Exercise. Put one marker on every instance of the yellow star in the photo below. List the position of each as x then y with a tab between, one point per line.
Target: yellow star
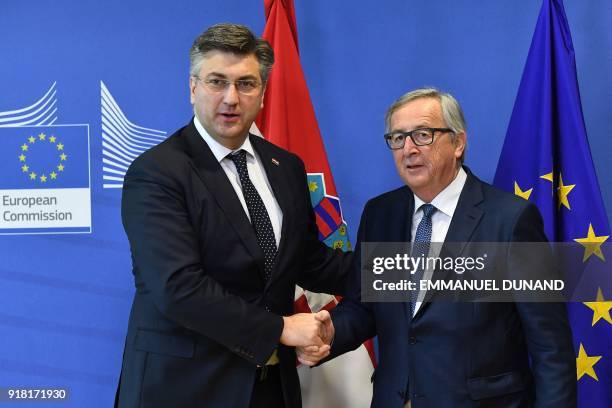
60	167
42	136
25	168
313	186
31	139
523	194
52	139
53	175
43	179
342	230
564	190
22	157
601	308
585	363
24	147
32	176
63	156
60	146
548	176
592	244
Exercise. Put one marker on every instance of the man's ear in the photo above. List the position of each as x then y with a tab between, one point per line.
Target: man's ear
460	143
193	82
263	96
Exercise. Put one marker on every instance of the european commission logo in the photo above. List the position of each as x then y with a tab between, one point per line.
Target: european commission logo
122	140
45	183
49	172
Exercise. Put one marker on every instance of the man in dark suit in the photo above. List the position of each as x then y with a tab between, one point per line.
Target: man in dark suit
437	353
221	230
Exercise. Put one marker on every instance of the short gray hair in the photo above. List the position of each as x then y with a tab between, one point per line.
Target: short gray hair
451	110
233	38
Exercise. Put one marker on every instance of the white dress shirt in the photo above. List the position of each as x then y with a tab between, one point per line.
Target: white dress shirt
445	203
257	175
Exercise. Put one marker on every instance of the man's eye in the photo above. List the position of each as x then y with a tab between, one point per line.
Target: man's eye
246	84
422	134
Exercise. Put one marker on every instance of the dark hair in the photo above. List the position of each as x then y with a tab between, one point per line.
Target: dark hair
236	39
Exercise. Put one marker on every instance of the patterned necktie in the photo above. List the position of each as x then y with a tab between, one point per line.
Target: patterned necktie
420	247
258	213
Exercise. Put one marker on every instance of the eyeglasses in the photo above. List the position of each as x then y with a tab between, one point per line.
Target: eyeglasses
420	137
243	86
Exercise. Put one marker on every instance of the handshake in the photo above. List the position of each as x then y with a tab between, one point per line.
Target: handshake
310	333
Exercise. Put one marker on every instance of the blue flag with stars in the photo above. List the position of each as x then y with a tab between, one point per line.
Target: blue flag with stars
546	159
44	157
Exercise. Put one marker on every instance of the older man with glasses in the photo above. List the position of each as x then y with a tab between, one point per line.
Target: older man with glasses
439	353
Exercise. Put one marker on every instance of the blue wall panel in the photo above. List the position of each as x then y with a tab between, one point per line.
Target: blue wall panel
64	299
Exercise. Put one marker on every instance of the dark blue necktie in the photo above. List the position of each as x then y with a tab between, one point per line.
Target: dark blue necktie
260	220
420	247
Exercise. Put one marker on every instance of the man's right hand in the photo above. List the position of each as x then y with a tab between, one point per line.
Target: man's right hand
310	355
303	329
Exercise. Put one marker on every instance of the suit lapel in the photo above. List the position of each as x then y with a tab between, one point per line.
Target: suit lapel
404	234
276	174
214	177
467	214
465	219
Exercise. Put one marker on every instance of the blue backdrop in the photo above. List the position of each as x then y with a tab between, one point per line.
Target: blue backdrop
65	298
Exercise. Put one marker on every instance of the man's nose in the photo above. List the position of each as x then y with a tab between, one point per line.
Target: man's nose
410	148
230	94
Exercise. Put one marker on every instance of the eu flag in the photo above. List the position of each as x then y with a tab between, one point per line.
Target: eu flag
44	187
546	159
44	157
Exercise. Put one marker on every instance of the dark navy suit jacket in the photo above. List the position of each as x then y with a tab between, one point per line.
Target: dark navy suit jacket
460	354
203	316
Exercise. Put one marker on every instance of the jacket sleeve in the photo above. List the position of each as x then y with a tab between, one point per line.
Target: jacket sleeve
353	320
166	259
546	328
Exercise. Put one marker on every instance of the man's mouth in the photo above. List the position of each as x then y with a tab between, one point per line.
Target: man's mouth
230	117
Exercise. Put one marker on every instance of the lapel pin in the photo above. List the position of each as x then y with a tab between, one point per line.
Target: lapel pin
276	162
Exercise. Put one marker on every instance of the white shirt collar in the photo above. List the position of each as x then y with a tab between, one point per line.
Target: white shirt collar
219	151
446	201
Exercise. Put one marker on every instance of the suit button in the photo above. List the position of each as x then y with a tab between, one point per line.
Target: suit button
412	340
